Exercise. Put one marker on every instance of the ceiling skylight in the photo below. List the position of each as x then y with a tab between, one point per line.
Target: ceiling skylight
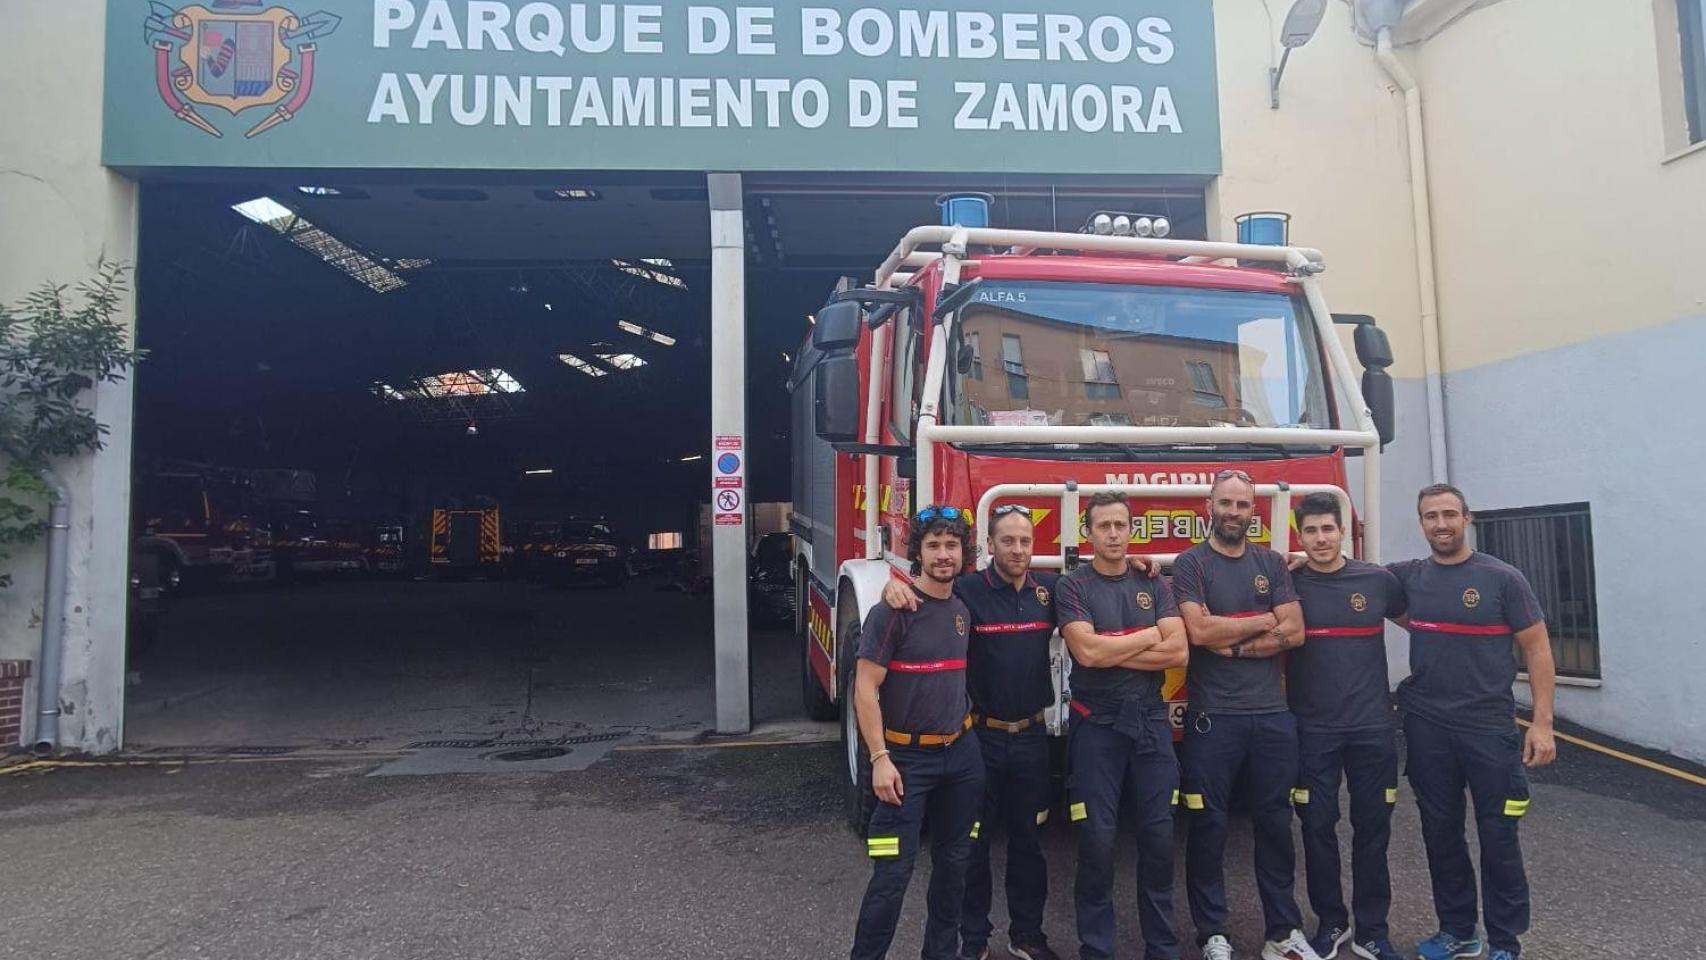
456	383
582	365
622	361
270	213
652	335
649	269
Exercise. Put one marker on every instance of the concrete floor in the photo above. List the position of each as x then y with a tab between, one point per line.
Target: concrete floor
387	663
619	850
685	854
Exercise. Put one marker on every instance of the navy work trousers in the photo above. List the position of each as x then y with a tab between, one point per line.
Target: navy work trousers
1217	747
1367	759
1131	769
1015	803
1443	763
943	784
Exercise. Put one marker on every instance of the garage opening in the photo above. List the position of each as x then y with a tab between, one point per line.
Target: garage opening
427	458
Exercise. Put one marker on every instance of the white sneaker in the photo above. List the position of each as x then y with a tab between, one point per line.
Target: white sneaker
1294	947
1217	948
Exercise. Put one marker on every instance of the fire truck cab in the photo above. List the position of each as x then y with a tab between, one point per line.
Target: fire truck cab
984	366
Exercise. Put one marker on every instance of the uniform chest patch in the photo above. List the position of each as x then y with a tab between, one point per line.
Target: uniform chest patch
1144	600
1042	596
1471	598
960	624
1262	585
1359	603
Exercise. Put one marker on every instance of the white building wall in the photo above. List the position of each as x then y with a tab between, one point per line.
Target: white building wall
61	212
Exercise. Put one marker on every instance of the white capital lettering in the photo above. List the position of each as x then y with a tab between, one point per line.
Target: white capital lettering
390	16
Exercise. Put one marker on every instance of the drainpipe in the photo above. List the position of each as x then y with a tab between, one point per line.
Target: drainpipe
53	616
1421	216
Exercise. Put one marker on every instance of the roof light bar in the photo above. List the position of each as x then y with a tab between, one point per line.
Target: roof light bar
652	335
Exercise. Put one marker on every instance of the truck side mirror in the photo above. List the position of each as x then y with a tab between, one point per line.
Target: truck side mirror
1377	392
1373	349
837	326
835	394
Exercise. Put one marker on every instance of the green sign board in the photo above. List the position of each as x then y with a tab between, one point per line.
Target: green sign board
1107	86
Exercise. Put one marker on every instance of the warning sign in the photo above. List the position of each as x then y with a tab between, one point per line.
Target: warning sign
728	479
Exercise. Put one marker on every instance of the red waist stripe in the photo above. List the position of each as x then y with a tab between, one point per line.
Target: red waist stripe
925	666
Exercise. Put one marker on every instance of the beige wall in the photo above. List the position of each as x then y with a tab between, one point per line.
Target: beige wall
1332	155
62	212
1558	217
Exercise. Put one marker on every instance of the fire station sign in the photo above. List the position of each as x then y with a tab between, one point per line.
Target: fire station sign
1102	86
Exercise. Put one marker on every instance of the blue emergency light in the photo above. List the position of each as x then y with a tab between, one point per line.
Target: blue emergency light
965	209
1267	228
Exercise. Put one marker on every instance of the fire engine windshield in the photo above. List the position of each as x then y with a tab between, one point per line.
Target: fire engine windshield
1076	354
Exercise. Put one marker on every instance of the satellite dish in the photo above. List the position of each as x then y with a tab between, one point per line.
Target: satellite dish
1302	22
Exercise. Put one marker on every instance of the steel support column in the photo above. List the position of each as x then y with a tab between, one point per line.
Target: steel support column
728	419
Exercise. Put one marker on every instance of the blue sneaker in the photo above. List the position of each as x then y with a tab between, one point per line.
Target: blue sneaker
1376	950
1444	946
1328	939
1501	955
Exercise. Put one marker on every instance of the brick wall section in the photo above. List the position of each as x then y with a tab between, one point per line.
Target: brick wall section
13	674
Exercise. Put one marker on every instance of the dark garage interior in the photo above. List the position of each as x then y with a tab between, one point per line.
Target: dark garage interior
422	458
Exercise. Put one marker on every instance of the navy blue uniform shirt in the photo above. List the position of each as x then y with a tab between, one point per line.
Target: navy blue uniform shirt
1464	618
1245	586
1008	663
1128	602
925	653
1337	679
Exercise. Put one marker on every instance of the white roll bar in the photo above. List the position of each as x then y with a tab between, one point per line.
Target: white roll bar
1299	259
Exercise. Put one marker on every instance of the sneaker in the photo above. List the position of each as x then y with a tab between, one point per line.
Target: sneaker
1217	948
1031	951
1376	950
1294	947
1501	955
1328	940
1444	946
969	952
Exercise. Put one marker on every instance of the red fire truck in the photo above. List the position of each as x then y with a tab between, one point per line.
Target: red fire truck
986	365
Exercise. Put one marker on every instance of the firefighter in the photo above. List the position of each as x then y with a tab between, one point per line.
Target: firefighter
1466	610
1337	687
1123	631
913	712
1240	612
1012	621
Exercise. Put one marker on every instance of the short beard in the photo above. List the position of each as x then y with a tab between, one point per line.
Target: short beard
1229	539
931	573
1456	546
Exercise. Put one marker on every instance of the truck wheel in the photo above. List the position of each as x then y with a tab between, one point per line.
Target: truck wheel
857	799
818	704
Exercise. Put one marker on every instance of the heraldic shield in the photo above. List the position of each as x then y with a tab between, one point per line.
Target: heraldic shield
235	56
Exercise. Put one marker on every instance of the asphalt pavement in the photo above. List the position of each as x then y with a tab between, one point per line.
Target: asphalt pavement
692	852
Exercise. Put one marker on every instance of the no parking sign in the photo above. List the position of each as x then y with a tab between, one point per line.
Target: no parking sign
727	481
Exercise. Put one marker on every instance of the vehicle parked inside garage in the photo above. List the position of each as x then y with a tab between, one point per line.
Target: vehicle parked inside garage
569	551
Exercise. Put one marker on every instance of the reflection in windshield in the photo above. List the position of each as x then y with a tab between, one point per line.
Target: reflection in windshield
1076	354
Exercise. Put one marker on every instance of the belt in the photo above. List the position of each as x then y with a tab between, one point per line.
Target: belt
901	739
1010	726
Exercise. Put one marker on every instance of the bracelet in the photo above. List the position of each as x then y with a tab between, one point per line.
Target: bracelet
879	755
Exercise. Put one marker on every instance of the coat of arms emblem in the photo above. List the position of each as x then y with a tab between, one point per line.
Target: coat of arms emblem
235	55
